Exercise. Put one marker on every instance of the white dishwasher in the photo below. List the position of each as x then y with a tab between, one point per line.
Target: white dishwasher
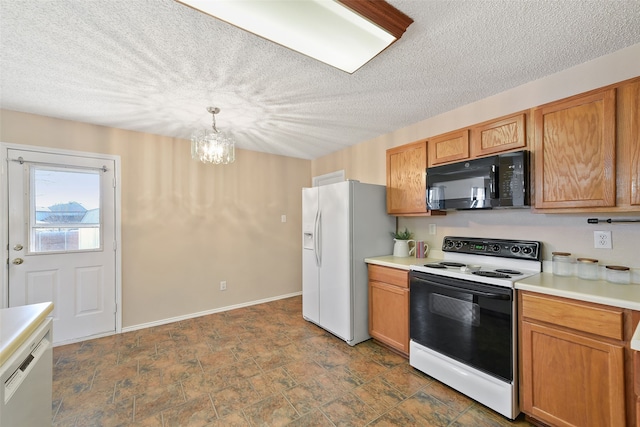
26	381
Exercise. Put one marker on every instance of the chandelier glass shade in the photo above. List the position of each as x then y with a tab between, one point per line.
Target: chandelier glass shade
211	145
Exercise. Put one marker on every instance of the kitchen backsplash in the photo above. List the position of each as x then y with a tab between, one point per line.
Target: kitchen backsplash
558	233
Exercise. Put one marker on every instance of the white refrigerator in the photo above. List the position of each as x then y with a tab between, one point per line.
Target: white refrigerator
342	224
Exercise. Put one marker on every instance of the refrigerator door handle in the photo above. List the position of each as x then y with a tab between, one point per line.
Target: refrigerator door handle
317	242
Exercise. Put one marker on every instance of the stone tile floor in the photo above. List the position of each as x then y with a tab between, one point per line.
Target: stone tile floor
262	365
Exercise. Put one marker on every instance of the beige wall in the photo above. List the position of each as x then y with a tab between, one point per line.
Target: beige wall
185	225
558	232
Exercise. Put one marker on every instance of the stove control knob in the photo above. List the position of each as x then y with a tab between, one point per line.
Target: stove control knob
458	245
515	249
495	248
448	244
527	250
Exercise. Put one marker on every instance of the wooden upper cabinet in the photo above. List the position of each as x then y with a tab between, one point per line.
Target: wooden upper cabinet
450	147
406	179
628	144
496	136
575	152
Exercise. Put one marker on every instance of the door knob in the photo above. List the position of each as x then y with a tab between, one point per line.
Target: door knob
18	247
18	261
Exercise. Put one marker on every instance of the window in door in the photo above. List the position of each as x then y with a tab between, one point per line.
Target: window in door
64	210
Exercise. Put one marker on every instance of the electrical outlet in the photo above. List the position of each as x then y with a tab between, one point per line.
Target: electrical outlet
223	285
602	240
432	229
283	218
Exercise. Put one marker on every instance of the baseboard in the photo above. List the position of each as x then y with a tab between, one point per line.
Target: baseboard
179	318
207	312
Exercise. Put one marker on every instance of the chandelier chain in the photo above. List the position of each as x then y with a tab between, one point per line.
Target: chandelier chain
213	111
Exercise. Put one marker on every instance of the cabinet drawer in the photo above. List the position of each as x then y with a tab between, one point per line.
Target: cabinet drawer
390	275
593	319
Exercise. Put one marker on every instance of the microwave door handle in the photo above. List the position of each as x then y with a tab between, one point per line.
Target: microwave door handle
493	187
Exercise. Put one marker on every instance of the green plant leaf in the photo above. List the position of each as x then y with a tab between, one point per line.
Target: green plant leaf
402	235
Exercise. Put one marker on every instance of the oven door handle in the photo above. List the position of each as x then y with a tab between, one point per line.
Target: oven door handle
475	292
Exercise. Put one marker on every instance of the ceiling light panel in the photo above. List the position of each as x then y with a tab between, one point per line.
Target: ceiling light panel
322	29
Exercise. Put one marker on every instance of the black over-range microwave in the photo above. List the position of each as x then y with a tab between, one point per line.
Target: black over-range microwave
485	183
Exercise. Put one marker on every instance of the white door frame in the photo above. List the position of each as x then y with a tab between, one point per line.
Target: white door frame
4	220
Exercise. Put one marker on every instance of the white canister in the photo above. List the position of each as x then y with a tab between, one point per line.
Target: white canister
618	274
588	268
562	263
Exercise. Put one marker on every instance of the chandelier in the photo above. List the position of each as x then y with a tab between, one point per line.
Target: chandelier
212	146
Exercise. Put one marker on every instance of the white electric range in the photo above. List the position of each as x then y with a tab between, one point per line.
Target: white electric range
463	317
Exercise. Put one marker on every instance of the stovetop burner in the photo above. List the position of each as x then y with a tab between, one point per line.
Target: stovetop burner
435	265
452	264
494	274
508	271
445	264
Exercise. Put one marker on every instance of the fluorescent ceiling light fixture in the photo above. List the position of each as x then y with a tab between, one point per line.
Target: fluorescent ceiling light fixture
345	34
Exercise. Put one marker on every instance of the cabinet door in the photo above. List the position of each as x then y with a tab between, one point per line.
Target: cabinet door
571	380
407	179
389	315
628	134
498	136
575	152
448	148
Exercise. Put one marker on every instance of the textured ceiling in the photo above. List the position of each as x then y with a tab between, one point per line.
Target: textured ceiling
155	65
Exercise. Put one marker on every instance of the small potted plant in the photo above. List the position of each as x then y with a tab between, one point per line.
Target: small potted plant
402	235
401	245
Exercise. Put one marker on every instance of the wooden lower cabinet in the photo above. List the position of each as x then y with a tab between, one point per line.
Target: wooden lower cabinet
571	375
389	307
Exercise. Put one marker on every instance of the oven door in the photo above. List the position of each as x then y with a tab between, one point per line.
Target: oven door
466	321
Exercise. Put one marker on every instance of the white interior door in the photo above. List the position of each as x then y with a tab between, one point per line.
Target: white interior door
62	239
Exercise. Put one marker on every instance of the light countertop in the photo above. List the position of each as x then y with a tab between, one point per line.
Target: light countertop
402	263
597	291
17	324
